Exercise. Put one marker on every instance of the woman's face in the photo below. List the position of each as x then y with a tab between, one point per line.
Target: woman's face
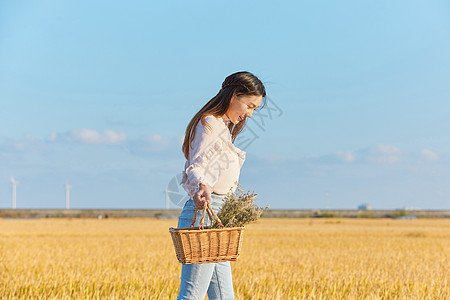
242	107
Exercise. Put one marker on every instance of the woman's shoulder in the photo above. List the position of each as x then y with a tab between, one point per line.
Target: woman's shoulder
213	120
213	124
212	131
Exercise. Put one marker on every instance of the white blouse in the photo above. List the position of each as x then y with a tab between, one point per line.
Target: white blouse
213	159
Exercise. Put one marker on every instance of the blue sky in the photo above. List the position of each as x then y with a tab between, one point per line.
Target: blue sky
99	94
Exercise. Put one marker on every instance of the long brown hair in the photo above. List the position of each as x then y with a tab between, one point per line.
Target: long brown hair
240	83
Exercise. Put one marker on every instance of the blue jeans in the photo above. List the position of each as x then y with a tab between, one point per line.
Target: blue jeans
199	279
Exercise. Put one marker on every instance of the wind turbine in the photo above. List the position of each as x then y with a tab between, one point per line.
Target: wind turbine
68	187
13	184
167	198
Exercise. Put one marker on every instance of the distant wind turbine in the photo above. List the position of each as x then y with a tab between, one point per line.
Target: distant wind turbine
167	198
68	187
13	184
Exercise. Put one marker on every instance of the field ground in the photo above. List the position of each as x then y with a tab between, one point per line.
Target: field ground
281	259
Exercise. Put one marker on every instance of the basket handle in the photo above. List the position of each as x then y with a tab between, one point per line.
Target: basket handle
209	210
215	216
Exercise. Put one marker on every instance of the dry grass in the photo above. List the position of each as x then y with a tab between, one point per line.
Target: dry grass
238	210
281	259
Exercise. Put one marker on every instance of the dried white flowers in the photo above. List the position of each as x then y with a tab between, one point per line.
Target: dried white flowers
239	209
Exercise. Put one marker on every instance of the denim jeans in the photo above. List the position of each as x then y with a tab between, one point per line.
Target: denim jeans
199	279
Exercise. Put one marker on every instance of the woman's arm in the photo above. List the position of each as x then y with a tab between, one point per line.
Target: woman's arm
202	170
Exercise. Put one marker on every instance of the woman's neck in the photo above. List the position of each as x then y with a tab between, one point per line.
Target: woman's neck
225	119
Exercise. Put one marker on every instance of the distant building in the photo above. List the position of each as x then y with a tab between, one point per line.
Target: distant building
365	206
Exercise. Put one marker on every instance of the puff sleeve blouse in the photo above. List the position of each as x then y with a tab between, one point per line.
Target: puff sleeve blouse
213	159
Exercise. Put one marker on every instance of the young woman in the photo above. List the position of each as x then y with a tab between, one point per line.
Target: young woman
212	170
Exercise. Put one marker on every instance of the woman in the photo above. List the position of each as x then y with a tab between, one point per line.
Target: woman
212	170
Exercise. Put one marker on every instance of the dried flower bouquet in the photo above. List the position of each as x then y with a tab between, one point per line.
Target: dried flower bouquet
239	209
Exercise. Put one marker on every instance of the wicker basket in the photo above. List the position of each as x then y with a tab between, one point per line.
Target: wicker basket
200	245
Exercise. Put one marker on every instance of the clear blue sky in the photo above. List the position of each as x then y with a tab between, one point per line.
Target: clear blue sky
99	93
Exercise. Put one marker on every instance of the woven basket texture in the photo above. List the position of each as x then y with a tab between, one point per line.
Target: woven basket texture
199	246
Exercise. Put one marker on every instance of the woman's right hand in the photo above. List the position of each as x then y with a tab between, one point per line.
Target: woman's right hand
203	195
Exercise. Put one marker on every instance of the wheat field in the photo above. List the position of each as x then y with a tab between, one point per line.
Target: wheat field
280	259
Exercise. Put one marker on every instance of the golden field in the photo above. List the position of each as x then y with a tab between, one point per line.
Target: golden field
280	259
